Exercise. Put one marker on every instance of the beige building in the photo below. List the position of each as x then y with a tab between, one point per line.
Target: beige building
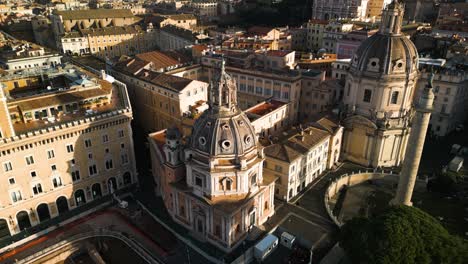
450	101
101	28
216	189
175	38
269	118
378	94
163	100
22	55
187	21
255	85
300	155
315	33
66	140
375	7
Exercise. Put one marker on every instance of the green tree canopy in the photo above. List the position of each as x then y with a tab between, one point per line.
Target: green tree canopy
401	234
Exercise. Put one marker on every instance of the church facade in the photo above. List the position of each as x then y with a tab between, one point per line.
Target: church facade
213	183
377	102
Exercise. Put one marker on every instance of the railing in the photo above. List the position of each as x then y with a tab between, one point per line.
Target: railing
135	246
338	183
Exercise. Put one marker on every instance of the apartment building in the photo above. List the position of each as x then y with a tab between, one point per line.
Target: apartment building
315	33
318	95
269	118
175	38
325	9
206	9
66	140
163	100
17	55
187	21
296	158
450	101
347	46
334	31
255	85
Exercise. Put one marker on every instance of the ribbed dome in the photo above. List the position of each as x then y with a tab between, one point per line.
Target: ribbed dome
223	129
215	135
386	54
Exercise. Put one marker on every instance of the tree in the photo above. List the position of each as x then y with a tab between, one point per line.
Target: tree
401	234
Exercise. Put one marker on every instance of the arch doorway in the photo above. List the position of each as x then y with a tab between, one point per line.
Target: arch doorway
96	190
43	212
80	198
127	178
62	205
4	230
112	185
23	220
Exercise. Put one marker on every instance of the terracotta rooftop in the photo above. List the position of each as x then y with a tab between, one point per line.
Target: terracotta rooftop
167	81
265	107
164	59
296	144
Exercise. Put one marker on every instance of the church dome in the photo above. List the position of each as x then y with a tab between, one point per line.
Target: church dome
388	51
386	54
223	129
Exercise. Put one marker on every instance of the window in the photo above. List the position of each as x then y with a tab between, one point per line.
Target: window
124	158
109	164
92	170
367	95
7	166
253	180
57	181
16	196
278	168
50	154
228	184
121	133
286	95
394	99
37	188
90	155
11	181
443	108
105	138
447	91
75	175
69	148
33	174
198	181
258	90
29	160
88	143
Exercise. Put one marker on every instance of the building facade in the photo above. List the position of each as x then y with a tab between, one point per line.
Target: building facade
62	148
450	102
378	94
164	100
324	9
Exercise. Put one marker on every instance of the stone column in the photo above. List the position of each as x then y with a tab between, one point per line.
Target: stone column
415	147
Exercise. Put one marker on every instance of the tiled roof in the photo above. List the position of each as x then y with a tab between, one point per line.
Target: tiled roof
131	66
296	145
94	14
182	17
167	81
164	59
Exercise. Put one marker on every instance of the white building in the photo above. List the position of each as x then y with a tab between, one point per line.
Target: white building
17	55
297	158
74	43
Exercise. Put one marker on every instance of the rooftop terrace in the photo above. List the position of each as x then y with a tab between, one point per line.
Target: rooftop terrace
58	97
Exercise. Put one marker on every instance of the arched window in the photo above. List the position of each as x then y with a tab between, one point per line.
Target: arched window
394	99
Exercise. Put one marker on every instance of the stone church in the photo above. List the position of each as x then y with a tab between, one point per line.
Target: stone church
378	92
213	183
